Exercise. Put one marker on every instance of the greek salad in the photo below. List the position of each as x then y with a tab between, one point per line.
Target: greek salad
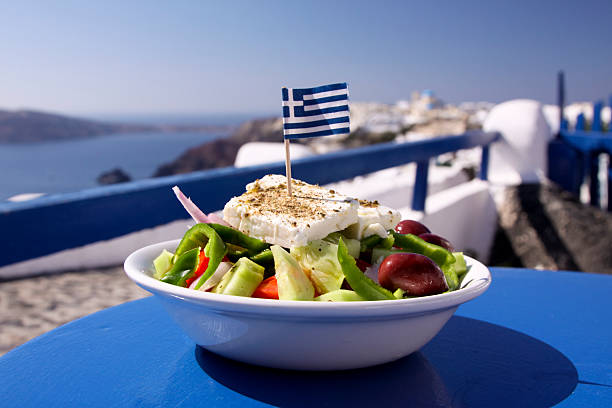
317	245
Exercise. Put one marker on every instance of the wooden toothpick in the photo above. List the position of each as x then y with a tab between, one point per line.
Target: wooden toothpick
288	167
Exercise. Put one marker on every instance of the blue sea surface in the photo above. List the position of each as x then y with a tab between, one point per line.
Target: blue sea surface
221	119
68	166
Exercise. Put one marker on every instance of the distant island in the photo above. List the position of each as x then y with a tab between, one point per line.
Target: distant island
29	126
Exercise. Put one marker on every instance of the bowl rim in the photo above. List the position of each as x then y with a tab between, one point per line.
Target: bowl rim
421	305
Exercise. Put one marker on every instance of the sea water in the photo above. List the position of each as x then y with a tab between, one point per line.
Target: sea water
68	166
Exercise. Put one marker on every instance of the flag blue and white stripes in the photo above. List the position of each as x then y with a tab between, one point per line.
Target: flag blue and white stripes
319	111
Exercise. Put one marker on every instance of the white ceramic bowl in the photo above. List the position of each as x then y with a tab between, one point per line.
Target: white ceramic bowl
304	335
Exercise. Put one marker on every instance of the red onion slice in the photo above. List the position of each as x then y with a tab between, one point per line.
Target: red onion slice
214	218
372	271
216	277
190	207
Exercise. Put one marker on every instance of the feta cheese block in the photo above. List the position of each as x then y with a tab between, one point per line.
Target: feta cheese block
266	211
373	219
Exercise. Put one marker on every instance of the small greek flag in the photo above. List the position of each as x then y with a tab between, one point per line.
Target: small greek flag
319	111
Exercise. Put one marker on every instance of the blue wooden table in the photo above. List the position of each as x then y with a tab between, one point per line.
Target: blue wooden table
534	339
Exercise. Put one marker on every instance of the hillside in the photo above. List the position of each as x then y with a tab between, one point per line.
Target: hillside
370	123
28	126
222	152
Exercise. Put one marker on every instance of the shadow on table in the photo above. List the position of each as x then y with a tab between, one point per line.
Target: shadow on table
469	363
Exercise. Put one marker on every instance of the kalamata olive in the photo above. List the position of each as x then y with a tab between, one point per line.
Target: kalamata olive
416	274
437	240
411	227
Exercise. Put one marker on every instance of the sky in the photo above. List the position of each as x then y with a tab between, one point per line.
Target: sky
147	57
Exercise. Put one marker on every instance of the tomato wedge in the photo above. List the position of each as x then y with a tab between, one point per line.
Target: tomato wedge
268	289
199	270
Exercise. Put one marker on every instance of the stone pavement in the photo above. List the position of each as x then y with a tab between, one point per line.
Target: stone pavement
543	227
32	306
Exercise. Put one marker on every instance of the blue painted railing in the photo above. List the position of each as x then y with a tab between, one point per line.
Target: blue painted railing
57	222
573	157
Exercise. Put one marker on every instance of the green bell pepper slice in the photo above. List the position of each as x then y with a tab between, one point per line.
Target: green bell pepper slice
370	242
203	235
442	257
452	280
264	258
387	243
361	284
460	264
235	237
234	252
183	268
414	244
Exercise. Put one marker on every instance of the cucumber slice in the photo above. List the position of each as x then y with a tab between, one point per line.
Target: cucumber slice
340	295
242	279
162	263
293	284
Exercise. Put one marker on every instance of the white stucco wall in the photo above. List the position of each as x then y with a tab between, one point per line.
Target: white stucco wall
251	154
520	157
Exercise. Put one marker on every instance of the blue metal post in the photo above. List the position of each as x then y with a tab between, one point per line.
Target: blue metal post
564	124
596	125
484	163
565	165
561	99
420	186
580	122
594	178
594	160
588	160
610	122
609	183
